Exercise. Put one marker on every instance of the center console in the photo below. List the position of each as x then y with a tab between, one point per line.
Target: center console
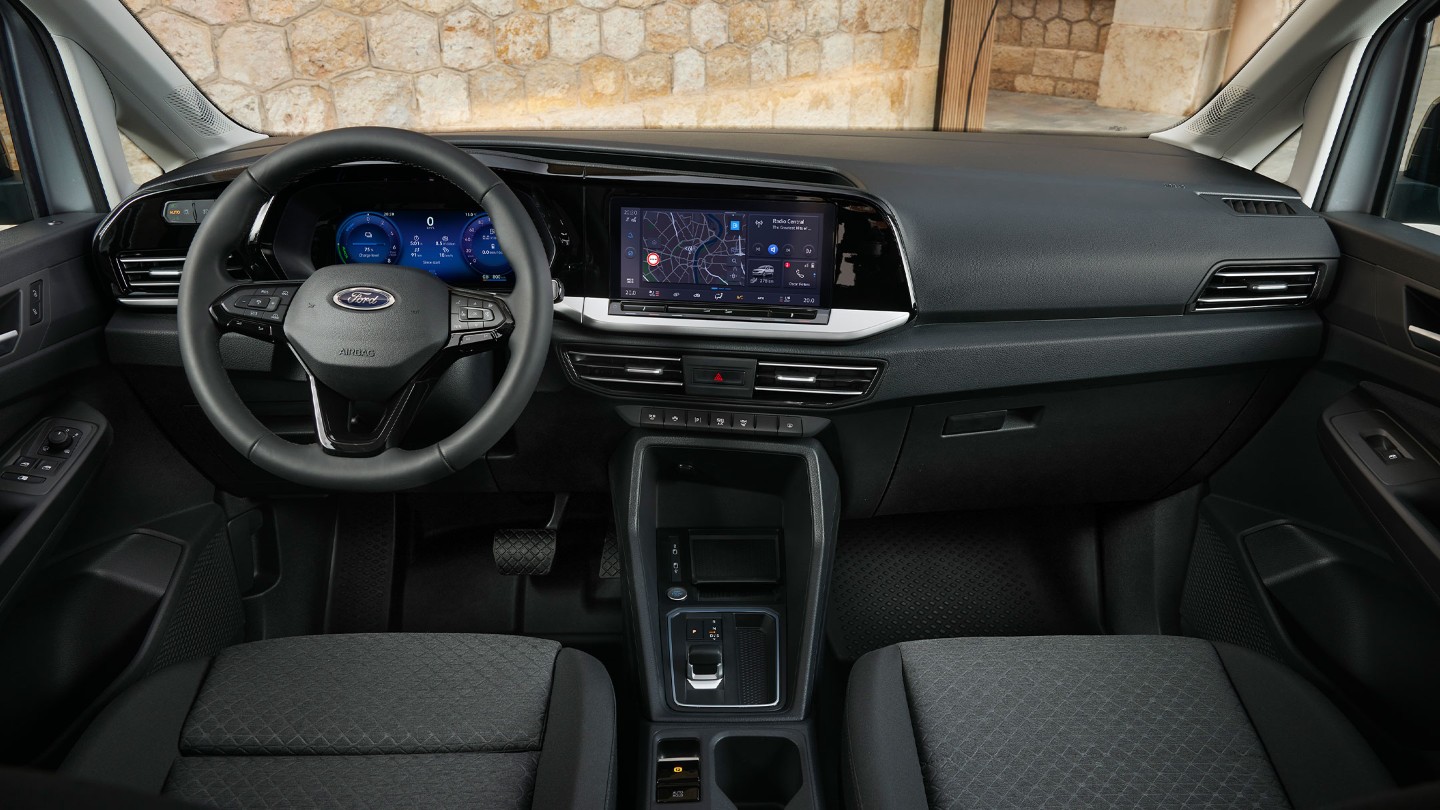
726	546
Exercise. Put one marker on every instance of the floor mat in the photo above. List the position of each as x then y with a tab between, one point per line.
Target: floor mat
1003	573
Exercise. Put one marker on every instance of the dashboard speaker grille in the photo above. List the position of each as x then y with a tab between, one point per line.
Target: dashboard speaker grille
198	112
1224	110
1264	286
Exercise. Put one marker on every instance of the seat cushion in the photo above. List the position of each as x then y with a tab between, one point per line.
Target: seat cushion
1092	722
365	720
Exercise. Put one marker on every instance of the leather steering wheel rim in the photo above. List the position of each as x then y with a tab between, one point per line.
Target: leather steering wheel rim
228	225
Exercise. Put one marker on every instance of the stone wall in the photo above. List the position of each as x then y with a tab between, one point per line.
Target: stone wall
293	66
1051	47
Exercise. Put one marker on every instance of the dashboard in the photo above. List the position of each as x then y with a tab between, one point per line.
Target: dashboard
991	320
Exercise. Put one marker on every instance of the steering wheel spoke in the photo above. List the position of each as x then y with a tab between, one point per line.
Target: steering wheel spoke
257	310
478	322
346	427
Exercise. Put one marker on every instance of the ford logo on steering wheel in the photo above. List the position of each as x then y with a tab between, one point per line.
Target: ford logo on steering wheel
363	299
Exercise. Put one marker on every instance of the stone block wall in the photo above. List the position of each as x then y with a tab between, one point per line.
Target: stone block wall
294	66
1166	55
1051	47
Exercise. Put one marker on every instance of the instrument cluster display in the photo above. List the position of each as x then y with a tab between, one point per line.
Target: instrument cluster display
459	247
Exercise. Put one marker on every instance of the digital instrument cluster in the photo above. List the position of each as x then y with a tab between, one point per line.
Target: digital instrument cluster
459	247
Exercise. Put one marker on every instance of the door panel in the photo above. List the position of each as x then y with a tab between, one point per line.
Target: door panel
50	312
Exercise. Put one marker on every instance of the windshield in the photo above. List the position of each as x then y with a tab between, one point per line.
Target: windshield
1117	66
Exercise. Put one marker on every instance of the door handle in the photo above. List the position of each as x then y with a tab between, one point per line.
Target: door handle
8	341
1425	339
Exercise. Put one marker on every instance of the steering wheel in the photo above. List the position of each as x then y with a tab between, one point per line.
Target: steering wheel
372	338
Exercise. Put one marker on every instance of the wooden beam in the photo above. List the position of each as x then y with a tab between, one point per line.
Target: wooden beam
965	66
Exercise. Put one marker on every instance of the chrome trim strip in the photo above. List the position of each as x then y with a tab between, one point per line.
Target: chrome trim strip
773	364
150	259
845	324
1252	299
1251	308
580	353
623	380
1422	332
1242	274
149	303
812	391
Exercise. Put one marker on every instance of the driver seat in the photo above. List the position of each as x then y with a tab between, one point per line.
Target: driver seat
365	720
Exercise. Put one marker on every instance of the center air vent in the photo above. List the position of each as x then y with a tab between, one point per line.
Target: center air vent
628	374
152	278
1266	286
803	382
813	383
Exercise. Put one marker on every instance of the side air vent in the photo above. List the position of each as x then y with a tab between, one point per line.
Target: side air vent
149	280
1264	286
1259	207
813	383
629	374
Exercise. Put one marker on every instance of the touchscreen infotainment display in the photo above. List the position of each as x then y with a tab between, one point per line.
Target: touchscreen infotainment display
732	252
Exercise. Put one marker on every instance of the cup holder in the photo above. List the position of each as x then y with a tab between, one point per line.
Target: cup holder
758	773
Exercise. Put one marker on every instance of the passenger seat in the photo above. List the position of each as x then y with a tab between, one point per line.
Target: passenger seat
1094	722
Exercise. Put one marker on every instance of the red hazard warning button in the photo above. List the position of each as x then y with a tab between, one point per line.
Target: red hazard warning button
710	375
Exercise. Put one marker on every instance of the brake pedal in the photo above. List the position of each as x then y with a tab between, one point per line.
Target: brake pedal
529	552
524	552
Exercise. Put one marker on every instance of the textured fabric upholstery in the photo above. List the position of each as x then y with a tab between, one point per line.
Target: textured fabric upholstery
384	781
1082	722
374	693
366	720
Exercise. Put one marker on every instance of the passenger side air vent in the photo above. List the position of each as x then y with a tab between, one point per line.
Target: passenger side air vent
801	383
149	280
1259	207
1264	286
628	374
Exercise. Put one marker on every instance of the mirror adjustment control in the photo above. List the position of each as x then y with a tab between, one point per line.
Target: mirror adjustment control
60	441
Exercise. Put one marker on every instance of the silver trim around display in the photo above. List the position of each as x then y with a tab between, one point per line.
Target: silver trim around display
844	324
675	685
